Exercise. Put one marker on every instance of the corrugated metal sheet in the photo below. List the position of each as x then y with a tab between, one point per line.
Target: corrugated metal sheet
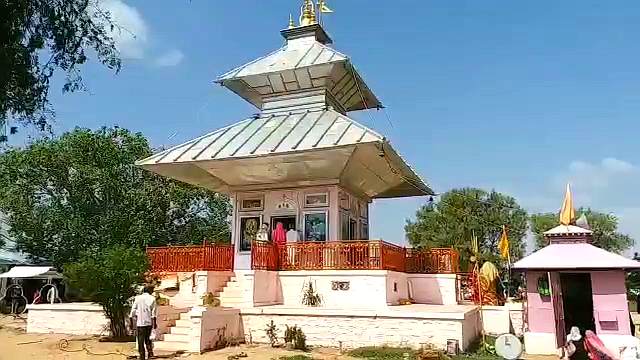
288	57
301	65
274	134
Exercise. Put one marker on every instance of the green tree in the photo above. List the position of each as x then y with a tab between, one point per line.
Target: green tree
82	192
459	213
604	227
66	33
110	278
633	279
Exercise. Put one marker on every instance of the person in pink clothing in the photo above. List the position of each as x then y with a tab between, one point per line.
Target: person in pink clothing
279	237
279	234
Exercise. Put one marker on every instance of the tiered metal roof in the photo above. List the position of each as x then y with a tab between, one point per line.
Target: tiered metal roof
271	135
302	63
302	135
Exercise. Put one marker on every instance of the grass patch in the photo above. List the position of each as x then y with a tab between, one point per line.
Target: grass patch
296	357
384	353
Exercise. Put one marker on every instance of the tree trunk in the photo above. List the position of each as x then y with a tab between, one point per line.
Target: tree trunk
117	323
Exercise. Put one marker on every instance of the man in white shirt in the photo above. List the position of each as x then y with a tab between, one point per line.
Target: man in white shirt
145	310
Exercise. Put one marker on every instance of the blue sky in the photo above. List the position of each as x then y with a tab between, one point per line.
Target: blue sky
517	96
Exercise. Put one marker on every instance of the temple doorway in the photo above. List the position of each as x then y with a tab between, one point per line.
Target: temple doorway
289	222
577	301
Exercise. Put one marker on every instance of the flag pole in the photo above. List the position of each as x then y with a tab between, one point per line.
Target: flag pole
476	269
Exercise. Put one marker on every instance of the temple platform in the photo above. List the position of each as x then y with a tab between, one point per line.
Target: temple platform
413	325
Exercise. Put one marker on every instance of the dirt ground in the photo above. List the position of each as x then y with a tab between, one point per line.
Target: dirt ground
16	344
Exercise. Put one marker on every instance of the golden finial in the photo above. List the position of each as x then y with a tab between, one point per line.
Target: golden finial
305	18
567	213
291	23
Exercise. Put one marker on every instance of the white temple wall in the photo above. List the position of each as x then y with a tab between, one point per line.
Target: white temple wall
433	288
364	288
331	202
350	328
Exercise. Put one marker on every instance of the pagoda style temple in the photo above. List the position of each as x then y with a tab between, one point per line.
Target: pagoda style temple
301	175
573	283
301	160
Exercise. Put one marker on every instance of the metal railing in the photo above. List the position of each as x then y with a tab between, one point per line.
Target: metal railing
216	257
352	255
331	255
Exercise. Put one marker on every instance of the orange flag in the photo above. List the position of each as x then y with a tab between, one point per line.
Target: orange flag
567	213
503	245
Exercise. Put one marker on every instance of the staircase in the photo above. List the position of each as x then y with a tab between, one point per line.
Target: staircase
234	294
179	334
179	327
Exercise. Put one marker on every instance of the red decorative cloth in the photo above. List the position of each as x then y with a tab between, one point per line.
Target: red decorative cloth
279	234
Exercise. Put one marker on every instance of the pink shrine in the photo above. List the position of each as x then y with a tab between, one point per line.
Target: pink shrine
573	283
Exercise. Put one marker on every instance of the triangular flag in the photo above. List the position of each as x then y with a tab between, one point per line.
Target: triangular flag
503	245
567	213
324	8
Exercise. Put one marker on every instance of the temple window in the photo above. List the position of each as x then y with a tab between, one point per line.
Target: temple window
251	204
316	200
315	226
249	226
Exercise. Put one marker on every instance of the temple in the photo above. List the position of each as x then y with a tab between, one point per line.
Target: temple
301	175
573	283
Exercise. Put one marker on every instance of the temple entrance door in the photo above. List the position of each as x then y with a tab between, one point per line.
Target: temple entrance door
577	299
289	222
558	309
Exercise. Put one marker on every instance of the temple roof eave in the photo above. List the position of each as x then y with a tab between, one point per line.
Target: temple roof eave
357	167
293	63
576	256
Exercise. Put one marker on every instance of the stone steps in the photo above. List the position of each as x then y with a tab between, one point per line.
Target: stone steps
179	338
170	346
181	330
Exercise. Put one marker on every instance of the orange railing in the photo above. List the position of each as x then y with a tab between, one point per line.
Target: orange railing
433	260
217	257
264	256
331	255
352	255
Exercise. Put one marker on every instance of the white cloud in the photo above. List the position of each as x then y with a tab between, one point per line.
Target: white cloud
587	177
170	58
131	33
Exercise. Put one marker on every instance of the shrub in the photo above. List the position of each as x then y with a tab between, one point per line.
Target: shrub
384	352
210	300
299	339
272	333
310	297
109	278
296	357
288	333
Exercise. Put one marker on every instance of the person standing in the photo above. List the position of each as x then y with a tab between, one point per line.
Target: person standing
145	310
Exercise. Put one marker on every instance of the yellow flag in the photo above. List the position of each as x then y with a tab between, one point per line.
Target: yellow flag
324	8
503	245
567	213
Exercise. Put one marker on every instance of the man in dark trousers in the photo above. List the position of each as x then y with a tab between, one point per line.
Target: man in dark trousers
145	310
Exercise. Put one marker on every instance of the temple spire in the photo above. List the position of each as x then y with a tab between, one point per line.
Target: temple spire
567	213
306	11
291	23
